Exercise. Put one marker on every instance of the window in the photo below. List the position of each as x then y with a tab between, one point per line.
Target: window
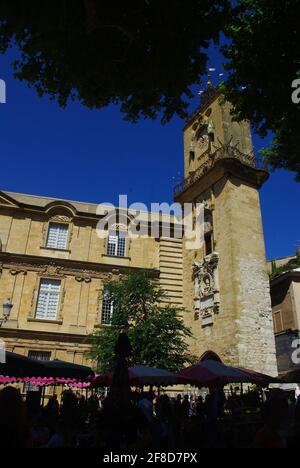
278	321
48	299
107	309
208	244
116	245
37	356
40	355
57	236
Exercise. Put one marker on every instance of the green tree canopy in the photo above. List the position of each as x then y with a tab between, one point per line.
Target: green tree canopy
145	55
157	333
263	55
142	54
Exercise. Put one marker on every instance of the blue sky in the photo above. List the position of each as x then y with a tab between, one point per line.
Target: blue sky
79	154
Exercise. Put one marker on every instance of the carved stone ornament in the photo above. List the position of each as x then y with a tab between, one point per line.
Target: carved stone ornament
52	270
15	272
208	223
81	279
60	219
203	143
206	198
207	301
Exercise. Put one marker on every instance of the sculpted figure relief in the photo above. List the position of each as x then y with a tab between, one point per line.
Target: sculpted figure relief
206	288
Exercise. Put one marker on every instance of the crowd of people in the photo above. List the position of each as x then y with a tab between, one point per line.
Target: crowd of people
151	421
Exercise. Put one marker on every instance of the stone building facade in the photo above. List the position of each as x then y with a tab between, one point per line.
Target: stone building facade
54	266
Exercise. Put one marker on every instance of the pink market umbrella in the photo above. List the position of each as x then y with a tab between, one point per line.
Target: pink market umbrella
7	380
47	381
209	373
141	376
39	381
80	385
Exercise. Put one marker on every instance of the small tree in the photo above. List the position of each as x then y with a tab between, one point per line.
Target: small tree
156	332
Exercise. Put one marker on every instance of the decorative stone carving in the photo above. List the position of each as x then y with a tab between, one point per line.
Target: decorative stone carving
52	270
59	268
81	279
60	219
208	224
203	142
207	199
15	272
207	302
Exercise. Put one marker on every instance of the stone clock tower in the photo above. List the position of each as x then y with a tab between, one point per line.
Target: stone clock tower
225	283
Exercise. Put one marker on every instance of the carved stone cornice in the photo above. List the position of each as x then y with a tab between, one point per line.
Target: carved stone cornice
40	335
82	271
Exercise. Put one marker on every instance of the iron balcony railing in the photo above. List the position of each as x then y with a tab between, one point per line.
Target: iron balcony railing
226	151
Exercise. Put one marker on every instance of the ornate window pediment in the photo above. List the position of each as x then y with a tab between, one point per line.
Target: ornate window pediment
58	229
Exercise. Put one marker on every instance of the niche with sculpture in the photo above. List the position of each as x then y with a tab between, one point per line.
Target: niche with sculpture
207	300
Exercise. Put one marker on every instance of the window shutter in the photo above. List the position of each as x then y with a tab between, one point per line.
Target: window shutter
48	300
116	245
57	236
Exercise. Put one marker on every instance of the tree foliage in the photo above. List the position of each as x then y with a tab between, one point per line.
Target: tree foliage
291	265
145	55
141	54
263	55
157	333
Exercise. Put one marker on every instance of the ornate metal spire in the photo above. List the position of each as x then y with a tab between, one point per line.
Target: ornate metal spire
209	93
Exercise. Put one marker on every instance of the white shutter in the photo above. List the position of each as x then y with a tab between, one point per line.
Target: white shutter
116	245
112	245
57	236
48	299
121	252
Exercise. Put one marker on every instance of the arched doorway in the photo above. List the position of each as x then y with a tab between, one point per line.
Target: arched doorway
210	355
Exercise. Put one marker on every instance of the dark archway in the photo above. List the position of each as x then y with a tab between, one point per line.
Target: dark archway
210	355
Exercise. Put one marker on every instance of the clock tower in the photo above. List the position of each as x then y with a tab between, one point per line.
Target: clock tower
225	282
